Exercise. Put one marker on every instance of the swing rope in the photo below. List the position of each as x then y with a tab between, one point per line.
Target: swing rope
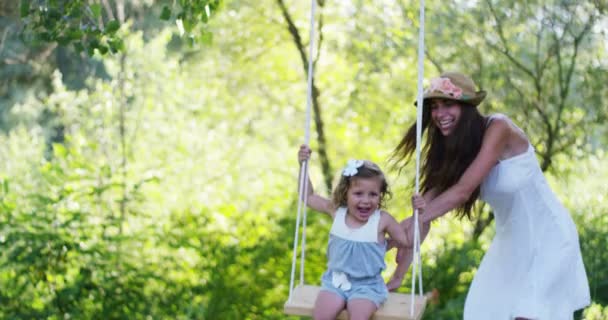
302	189
417	263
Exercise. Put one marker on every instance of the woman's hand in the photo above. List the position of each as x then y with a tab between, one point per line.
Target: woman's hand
394	284
408	227
304	153
404	259
418	203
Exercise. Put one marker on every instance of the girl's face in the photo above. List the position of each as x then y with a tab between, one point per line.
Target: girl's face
363	198
445	114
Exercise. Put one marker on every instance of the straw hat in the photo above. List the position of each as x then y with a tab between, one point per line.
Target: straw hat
454	86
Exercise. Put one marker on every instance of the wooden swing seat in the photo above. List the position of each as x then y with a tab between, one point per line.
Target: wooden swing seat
396	307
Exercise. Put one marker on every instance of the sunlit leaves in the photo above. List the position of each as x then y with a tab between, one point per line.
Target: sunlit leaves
91	27
210	181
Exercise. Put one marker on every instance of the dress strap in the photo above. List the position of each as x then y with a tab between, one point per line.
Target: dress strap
490	119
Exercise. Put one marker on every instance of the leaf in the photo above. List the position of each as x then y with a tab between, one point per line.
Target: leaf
59	150
116	44
102	49
25	8
74	34
112	26
206	37
166	14
78	46
96	10
188	25
63	41
44	36
180	27
54	15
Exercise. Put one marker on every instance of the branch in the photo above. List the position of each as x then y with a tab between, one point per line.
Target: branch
293	30
320	33
567	144
4	35
120	11
539	68
108	8
577	42
506	52
544	116
295	34
433	61
565	80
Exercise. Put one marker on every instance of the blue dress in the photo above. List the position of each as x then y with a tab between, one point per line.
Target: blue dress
355	260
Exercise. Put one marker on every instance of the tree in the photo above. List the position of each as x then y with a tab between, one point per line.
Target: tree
316	104
92	26
206	152
535	59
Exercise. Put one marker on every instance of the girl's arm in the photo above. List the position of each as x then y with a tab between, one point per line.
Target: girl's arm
389	225
494	142
313	200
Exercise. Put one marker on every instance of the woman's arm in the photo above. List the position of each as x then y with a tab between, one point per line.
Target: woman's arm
493	145
405	255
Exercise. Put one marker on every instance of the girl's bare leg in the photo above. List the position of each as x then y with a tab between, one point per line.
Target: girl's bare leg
327	306
360	309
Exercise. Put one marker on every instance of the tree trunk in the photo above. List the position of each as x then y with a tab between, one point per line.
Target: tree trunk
316	105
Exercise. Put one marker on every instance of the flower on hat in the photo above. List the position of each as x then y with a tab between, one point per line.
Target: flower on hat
351	167
445	86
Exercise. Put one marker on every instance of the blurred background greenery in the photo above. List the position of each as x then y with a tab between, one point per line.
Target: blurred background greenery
148	148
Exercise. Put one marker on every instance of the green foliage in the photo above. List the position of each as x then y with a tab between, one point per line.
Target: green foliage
596	312
91	27
586	192
534	61
156	258
449	272
72	22
172	193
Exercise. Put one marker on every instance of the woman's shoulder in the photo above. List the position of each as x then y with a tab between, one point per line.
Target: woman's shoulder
503	121
499	122
501	131
498	117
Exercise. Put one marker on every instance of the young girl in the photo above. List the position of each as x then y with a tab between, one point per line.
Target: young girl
533	269
357	240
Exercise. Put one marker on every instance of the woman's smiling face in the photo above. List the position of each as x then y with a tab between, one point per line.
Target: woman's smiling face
445	114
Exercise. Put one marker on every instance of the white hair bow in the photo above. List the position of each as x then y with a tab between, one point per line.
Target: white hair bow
351	167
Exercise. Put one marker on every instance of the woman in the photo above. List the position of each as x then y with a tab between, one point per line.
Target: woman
533	268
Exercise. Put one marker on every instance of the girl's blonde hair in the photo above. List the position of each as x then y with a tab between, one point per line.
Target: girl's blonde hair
366	171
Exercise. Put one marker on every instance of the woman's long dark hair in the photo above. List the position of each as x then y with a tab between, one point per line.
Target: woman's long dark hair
445	158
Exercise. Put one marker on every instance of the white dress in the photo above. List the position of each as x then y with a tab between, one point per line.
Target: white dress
533	268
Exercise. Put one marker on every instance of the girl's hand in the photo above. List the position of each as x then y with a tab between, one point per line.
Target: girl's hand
418	203
304	153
